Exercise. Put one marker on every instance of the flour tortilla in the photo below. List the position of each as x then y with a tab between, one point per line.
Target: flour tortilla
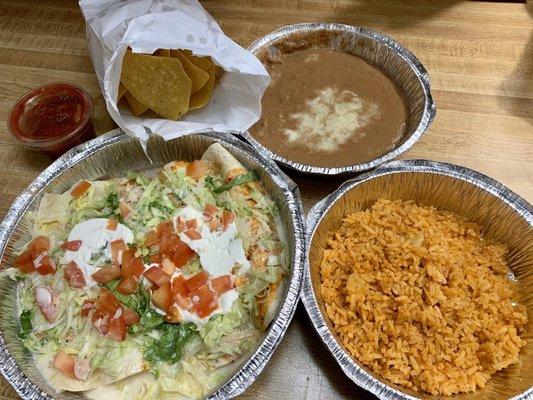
222	159
133	364
229	166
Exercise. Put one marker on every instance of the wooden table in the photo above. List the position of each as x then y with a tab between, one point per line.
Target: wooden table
480	59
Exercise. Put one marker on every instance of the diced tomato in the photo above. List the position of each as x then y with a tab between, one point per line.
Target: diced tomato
214	224
162	297
80	189
73	245
124	209
180	226
165	227
191	224
131	266
204	301
180	292
183	301
117	327
107	303
157	276
196	169
171	246
167	266
152	238
128	285
24	262
196	281
117	246
127	260
221	284
74	275
48	302
112	224
210	208
156	258
209	211
193	234
65	363
168	241
130	316
227	219
179	286
137	266
107	273
87	306
44	265
39	245
82	369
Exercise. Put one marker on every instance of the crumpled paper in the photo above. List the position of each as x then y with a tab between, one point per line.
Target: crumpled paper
148	25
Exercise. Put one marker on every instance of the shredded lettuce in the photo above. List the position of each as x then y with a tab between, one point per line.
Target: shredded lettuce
192	268
257	285
192	378
112	201
12	273
168	347
138	301
237	181
25	323
118	359
101	201
149	320
222	325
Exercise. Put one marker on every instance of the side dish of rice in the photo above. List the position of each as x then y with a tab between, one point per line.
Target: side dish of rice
419	297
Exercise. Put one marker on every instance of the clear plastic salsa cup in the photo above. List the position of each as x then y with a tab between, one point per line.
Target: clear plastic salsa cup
53	118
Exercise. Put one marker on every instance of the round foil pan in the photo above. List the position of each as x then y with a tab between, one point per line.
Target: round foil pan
398	63
503	216
112	155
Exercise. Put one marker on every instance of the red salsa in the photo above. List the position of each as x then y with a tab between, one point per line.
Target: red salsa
53	118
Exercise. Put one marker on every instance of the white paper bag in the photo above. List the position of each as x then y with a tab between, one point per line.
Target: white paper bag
148	25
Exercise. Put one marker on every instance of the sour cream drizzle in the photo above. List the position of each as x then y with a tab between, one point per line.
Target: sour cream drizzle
95	238
219	250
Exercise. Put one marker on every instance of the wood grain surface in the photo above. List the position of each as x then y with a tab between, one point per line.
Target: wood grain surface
480	60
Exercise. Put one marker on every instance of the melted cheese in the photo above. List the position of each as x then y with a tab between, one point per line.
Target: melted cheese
331	119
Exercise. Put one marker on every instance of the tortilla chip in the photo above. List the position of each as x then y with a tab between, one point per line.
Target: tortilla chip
137	108
160	83
121	90
198	76
204	63
202	96
162	53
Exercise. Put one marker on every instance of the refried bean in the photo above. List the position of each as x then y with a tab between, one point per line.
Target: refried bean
329	108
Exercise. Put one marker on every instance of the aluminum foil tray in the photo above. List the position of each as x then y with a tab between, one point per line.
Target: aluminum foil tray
379	50
113	155
503	216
